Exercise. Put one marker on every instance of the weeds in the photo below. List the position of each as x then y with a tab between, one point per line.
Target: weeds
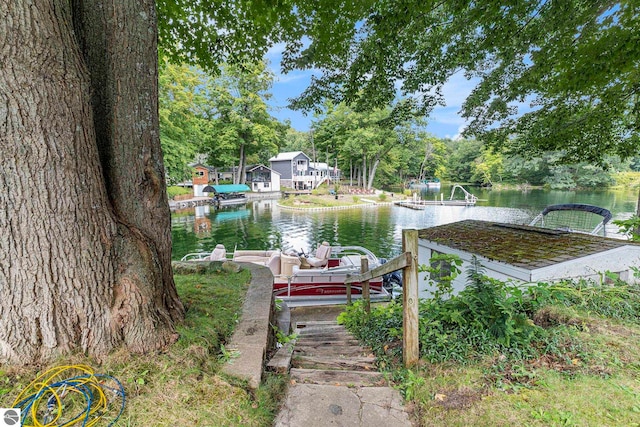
567	352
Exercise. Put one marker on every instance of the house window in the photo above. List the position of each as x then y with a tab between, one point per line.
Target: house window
199	173
266	185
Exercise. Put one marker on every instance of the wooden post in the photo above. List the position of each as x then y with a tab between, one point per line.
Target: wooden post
410	347
364	267
349	293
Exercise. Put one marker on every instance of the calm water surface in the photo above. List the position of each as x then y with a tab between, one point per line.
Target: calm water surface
263	225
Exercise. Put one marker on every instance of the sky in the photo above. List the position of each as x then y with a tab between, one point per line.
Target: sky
444	122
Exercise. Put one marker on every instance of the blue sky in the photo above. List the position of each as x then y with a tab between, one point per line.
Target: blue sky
444	122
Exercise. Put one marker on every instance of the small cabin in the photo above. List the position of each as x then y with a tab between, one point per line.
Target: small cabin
200	177
525	254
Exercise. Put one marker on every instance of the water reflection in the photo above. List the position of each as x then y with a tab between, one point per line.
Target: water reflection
263	225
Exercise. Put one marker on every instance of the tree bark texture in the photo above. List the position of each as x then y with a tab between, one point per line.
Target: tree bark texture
85	242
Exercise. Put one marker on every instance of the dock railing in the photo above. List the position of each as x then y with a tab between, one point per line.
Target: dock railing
408	262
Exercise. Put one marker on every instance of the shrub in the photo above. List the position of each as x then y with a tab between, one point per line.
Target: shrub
490	317
629	227
176	191
382	197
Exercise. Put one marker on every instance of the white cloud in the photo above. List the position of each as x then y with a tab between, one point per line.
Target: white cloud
293	76
457	89
275	51
458	134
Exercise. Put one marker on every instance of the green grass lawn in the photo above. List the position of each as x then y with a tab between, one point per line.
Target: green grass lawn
182	386
602	388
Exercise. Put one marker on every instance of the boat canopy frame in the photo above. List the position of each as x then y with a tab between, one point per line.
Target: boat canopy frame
579	207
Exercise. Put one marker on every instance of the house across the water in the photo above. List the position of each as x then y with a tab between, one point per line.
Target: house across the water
524	254
262	179
297	171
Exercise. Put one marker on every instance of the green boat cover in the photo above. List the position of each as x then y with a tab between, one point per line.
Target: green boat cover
230	188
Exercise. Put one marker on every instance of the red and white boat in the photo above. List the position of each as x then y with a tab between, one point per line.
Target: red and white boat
316	279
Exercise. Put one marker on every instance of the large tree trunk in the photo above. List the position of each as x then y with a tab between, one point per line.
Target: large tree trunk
237	178
372	173
85	249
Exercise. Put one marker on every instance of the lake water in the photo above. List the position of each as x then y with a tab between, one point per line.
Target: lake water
263	225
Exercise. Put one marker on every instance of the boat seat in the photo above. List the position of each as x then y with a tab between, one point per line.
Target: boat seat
255	256
219	253
274	263
321	257
289	264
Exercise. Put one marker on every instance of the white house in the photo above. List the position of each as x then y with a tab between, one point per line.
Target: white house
524	254
262	179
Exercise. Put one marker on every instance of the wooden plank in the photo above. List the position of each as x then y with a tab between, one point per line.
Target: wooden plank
361	363
281	360
410	345
321	331
317	323
335	351
332	377
364	268
327	342
397	263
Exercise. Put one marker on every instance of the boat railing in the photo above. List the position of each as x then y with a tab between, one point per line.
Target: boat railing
195	256
353	250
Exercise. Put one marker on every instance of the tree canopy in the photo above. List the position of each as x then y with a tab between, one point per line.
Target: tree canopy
551	75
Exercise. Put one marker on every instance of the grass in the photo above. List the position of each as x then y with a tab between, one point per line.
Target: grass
173	191
320	201
601	391
182	386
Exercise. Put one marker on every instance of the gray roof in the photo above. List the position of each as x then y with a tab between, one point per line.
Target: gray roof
519	245
287	156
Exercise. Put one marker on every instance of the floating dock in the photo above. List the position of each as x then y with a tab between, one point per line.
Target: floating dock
422	204
419	204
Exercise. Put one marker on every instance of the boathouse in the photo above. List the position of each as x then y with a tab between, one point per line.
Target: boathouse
524	254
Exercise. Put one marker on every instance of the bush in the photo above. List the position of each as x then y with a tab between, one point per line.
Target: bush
174	191
489	317
382	197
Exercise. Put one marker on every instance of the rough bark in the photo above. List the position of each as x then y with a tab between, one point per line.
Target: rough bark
118	40
81	267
